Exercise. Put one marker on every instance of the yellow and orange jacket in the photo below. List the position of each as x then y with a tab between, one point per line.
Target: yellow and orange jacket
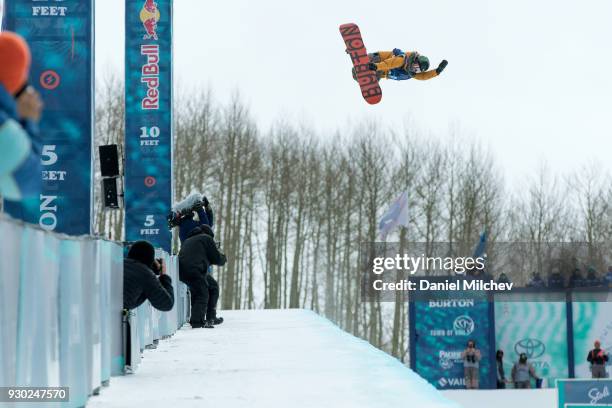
388	62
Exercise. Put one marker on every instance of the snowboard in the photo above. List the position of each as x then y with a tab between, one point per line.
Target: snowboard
368	82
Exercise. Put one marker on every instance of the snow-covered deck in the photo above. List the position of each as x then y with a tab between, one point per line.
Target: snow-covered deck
269	358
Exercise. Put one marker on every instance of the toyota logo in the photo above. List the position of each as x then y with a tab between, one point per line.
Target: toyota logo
533	348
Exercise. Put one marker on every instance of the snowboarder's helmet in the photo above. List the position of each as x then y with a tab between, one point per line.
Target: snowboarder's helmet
423	62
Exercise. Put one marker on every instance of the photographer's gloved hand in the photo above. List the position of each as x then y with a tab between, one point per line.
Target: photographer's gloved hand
205	201
159	267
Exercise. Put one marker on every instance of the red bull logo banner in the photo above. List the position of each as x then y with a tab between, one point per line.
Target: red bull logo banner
60	35
148	120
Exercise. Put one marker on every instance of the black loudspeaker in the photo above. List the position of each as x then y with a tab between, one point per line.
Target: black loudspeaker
109	189
109	160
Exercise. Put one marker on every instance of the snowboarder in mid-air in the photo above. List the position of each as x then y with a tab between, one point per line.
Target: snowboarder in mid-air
399	65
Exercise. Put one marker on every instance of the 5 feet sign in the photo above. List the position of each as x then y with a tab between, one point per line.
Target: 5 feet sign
148	120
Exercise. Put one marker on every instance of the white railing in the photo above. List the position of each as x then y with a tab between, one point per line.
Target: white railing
61	311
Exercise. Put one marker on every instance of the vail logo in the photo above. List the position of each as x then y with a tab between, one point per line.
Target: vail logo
595	395
451	382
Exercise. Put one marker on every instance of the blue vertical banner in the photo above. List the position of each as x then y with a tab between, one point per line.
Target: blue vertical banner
148	120
440	331
61	38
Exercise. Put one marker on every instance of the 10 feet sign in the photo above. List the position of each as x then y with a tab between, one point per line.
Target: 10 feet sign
60	35
148	120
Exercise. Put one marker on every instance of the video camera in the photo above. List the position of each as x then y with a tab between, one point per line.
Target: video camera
185	208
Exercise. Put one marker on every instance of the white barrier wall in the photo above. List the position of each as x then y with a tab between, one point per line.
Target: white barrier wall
61	304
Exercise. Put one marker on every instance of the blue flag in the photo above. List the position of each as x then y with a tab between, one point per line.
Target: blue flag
481	247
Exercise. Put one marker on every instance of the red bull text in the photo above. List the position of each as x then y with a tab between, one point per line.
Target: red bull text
150	76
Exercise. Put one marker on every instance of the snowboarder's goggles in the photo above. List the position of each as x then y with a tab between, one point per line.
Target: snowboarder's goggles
416	67
415	64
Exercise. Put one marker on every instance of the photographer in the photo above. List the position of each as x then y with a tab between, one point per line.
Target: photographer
471	365
204	214
140	281
197	254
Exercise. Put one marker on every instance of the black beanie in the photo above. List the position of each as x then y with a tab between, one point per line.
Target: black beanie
142	251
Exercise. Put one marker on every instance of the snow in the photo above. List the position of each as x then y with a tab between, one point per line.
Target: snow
269	358
510	398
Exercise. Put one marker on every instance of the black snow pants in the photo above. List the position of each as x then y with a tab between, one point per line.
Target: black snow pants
204	296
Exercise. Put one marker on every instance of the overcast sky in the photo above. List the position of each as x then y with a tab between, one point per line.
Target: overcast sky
528	78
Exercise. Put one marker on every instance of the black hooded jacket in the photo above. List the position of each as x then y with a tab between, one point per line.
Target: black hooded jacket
197	253
140	284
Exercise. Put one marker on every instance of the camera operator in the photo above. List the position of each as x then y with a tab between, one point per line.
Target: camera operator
471	363
140	281
188	223
197	254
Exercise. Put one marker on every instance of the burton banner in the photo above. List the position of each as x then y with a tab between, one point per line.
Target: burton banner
148	120
60	35
538	329
440	332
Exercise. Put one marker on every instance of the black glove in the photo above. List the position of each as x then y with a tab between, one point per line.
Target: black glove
441	67
157	266
372	66
205	201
